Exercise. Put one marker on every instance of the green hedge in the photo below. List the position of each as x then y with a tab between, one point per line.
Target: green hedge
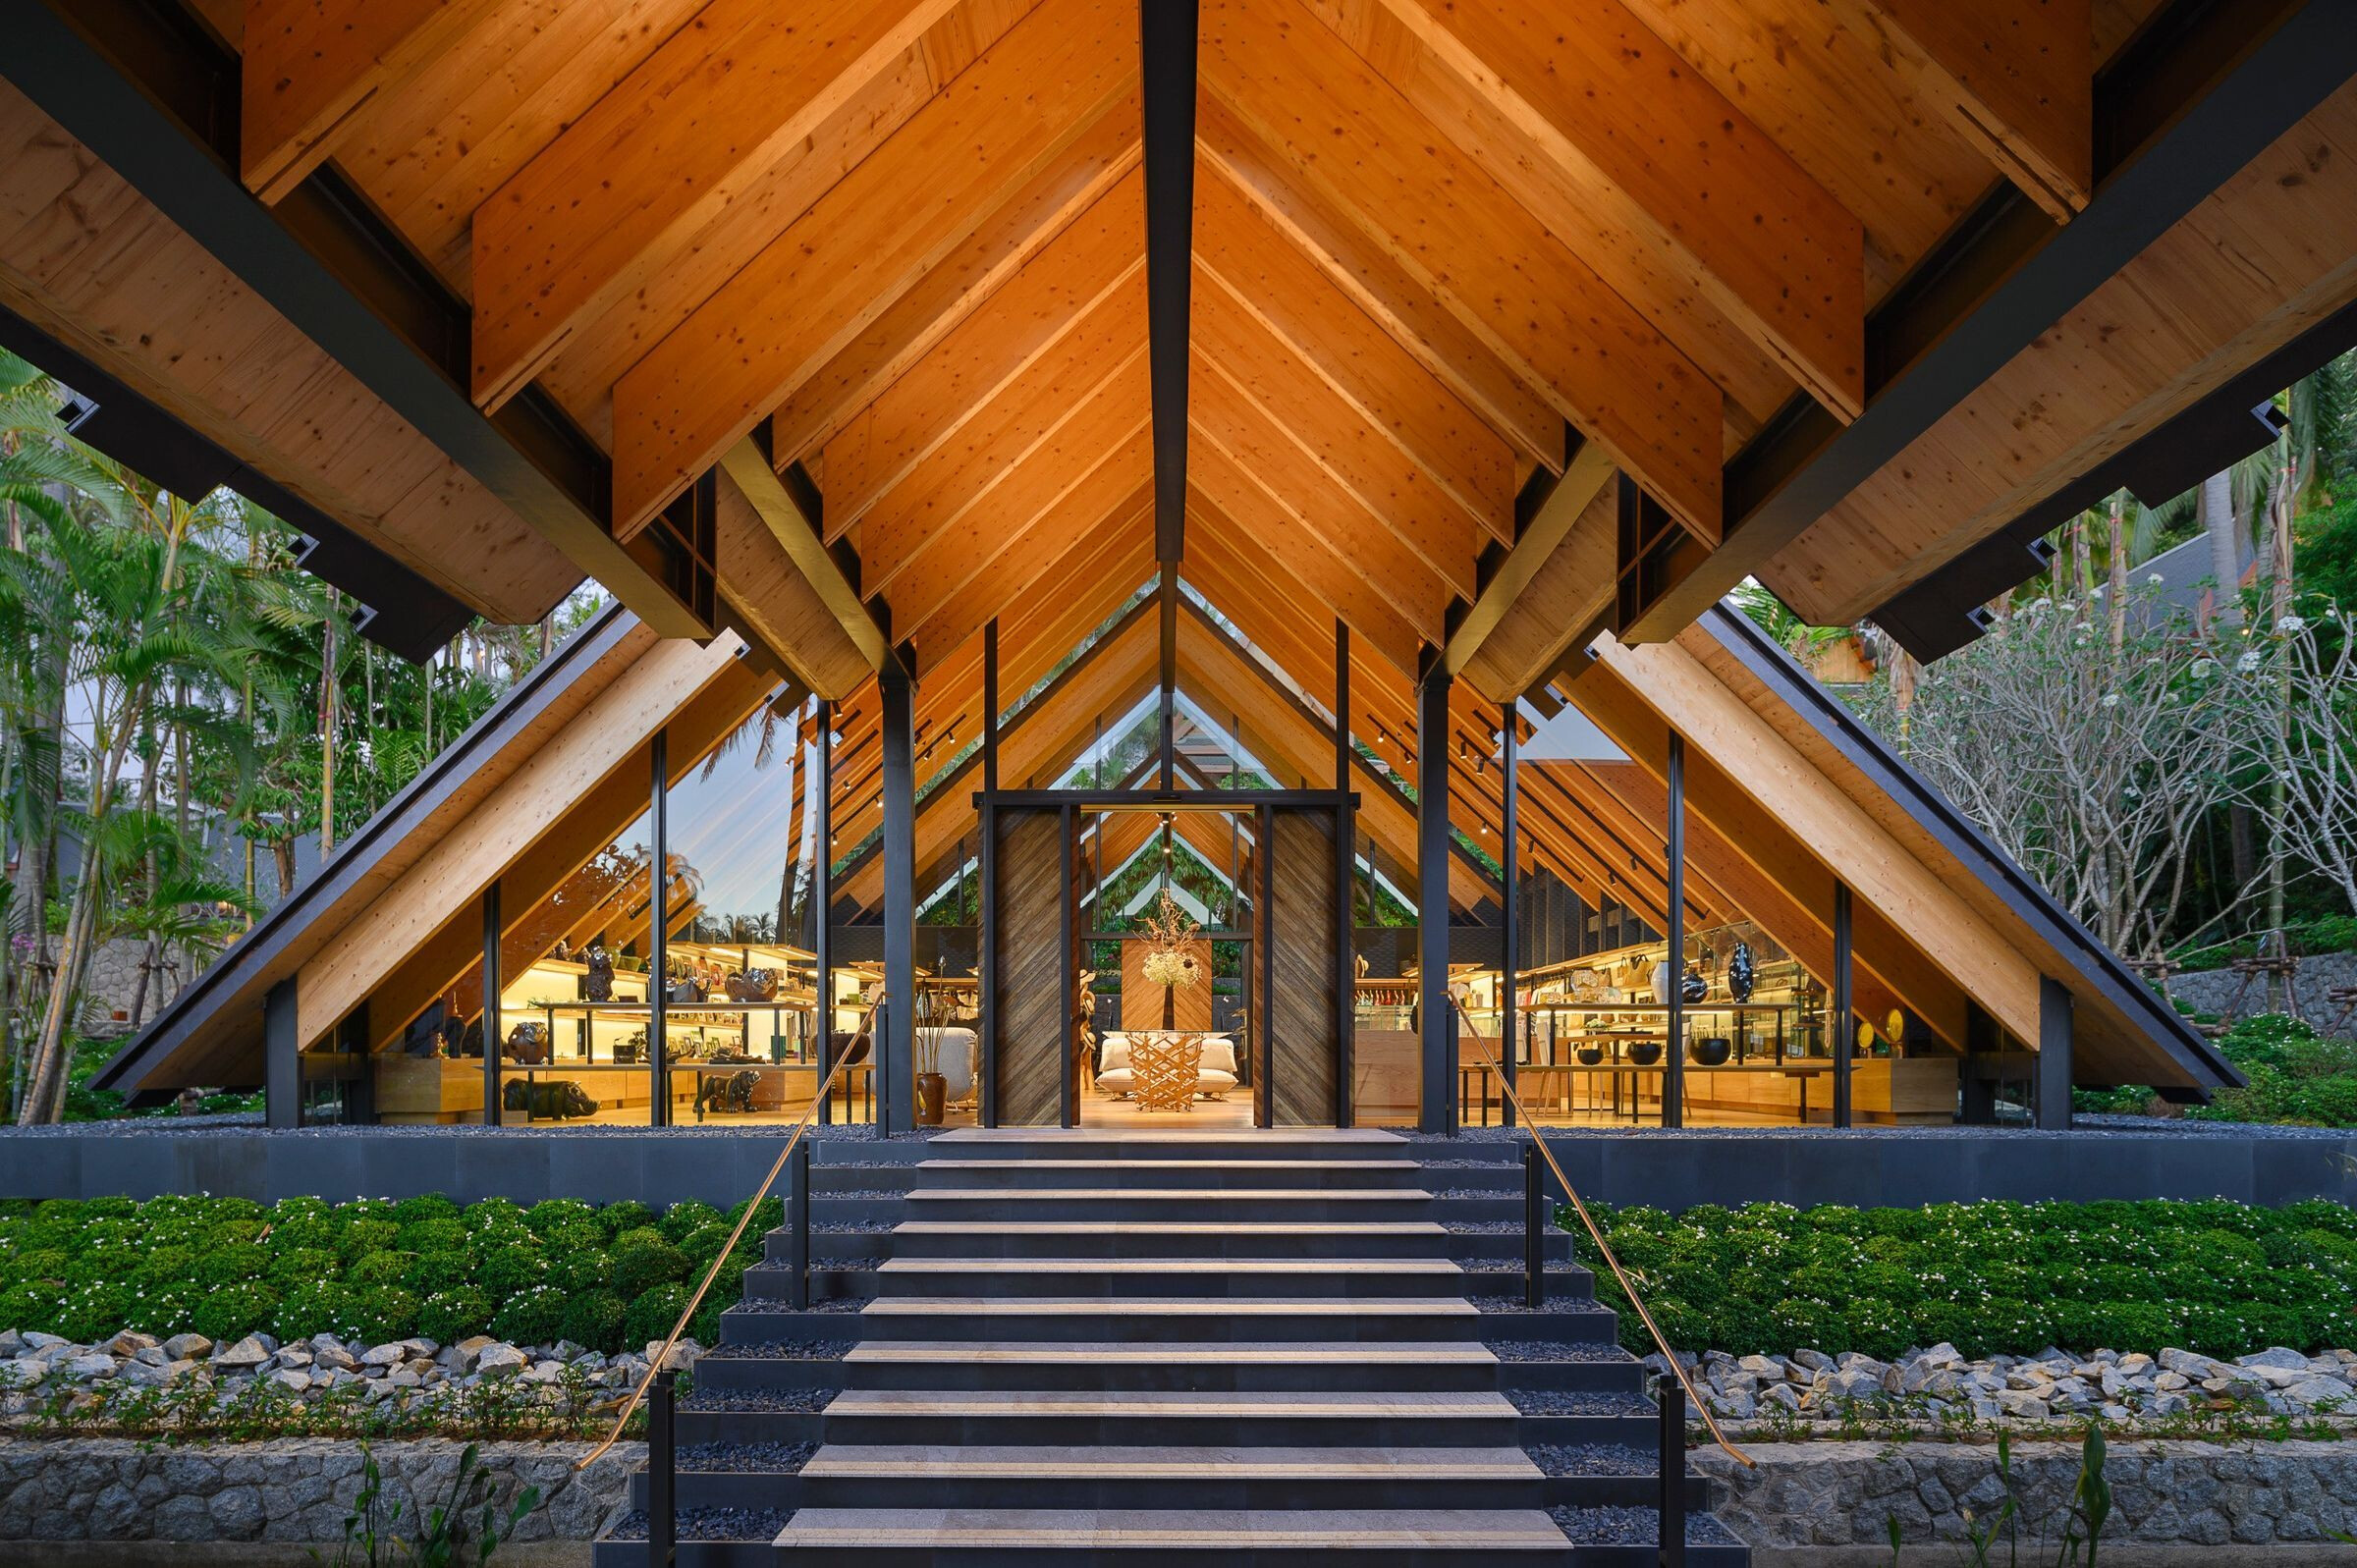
609	1278
1996	1277
2297	1079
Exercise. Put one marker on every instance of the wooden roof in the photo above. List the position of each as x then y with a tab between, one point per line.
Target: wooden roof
1842	285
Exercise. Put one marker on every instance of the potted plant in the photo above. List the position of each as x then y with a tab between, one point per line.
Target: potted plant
1169	960
932	1089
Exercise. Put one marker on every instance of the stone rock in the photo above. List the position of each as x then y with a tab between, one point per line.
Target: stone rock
1781	1395
392	1355
2275	1356
129	1342
332	1356
2186	1364
188	1347
247	1353
90	1368
2313	1391
11	1342
41	1341
2021	1403
295	1356
499	1362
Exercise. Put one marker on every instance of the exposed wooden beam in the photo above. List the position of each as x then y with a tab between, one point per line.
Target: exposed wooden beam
1583	480
863	245
696	128
2014	78
747	466
1588	89
1442	219
1167	53
312	66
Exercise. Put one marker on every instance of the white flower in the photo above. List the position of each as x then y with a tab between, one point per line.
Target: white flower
2111	699
2204	668
2288	624
2248	662
2152	579
2097	592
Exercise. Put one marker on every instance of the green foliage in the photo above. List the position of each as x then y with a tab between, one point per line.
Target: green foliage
652	1312
1993	1278
226	1267
2295	1075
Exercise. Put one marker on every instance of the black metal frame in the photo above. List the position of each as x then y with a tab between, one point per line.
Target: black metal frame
658	929
1674	1050
1436	1016
822	900
894	1049
493	984
1841	1010
1508	873
1167	65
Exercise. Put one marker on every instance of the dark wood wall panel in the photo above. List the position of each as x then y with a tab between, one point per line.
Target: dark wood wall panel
1302	945
1029	936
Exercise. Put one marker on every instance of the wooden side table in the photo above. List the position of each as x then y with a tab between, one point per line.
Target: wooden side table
1166	1069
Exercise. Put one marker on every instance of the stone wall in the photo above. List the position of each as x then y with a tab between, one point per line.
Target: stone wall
2210	990
1830	1495
293	1490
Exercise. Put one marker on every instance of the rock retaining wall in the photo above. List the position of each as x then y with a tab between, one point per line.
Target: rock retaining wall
295	1490
2174	1494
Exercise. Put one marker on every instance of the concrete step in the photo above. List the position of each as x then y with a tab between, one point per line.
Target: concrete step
1168	1476
1085	1143
959	1365
1167	1277
1017	1417
1145	1318
1166	1238
1135	1173
989	1537
1269	1200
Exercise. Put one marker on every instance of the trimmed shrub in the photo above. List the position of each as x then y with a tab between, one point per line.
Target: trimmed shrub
640	1267
594	1319
228	1314
448	1316
432	1235
534	1316
652	1312
509	1271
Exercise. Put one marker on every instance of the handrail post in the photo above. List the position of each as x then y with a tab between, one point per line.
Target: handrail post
1534	1226
1671	1394
798	1220
662	1473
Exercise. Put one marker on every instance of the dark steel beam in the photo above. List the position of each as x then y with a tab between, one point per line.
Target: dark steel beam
154	94
1840	1008
1435	1012
1167	57
1509	721
1947	609
895	1077
1168	653
822	901
2206	87
492	985
1674	1050
2055	1075
658	928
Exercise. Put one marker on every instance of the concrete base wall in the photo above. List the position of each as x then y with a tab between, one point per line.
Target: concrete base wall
1676	1170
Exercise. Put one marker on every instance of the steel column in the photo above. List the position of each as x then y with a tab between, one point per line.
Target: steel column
1674	1049
1436	1015
282	1057
493	984
822	900
896	1070
1508	860
658	928
1167	64
2054	1006
1840	1027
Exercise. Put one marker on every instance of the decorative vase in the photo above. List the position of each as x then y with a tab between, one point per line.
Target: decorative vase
1645	1052
932	1093
1590	1056
1169	1007
1712	1052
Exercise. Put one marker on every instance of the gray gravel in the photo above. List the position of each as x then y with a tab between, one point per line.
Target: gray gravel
775	1401
709	1524
786	1350
1507	1305
1634	1526
746	1458
1557	1350
1559	1402
1591	1459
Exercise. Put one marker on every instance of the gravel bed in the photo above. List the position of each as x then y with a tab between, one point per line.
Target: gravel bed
1490	1228
864	1194
1557	1350
1564	1272
782	1304
746	1458
1591	1459
785	1350
1634	1526
709	1524
1559	1402
781	1402
854	1262
847	1227
1515	1304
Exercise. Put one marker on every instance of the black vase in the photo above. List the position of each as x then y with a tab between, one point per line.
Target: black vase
1590	1056
1645	1052
1712	1052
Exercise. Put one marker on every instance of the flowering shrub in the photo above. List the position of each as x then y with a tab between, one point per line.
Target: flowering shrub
1991	1278
367	1271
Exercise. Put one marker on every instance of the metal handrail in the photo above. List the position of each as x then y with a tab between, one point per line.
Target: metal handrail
1596	1233
630	1405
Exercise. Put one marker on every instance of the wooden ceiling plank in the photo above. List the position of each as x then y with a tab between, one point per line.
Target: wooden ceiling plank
1404	308
862	371
1446	224
1050	524
1071	405
1116	550
1567	508
871	237
1325	518
1223	496
311	66
1254	270
1023	324
2016	79
1591	96
767	585
1387	480
746	468
696	128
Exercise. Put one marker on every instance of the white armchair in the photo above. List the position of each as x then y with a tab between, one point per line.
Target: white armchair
1214	1076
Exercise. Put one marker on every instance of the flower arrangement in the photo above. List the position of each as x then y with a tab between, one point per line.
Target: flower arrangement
1165	968
1169	933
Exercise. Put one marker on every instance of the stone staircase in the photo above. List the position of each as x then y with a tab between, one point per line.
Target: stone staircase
1249	1347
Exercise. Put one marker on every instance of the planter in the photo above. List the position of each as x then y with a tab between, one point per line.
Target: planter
1710	1052
932	1093
1645	1052
1590	1056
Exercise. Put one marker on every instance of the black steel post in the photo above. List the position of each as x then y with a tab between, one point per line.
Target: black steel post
282	1057
657	931
894	1072
1436	1020
1841	1008
1671	1394
822	898
1346	834
492	982
1508	870
1534	1225
1674	1057
797	1222
662	1471
1168	744
986	899
2055	1008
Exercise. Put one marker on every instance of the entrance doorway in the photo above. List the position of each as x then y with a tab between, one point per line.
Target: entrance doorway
1250	888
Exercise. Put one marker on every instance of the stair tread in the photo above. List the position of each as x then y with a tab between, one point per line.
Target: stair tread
1168	1266
1169	1165
1170	1228
1162	1352
1255	1136
1181	1402
1172	1194
1221	1306
1163	1461
1367	1530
